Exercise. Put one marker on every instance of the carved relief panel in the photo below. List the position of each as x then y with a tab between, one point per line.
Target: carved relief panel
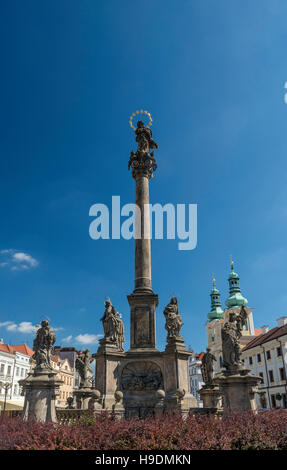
141	375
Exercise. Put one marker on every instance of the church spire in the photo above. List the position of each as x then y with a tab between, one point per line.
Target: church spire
216	312
235	298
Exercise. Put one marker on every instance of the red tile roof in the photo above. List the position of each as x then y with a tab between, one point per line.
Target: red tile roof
269	336
7	348
21	348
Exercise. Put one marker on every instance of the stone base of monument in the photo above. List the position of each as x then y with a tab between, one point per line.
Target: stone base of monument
238	389
211	397
140	375
41	390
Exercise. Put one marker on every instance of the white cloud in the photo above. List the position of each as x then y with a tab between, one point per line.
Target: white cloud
88	338
17	260
24	258
12	327
68	339
23	327
26	327
6	323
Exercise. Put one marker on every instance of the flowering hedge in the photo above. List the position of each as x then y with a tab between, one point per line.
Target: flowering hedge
267	430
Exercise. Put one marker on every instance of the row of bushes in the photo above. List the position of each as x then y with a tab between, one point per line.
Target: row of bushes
266	430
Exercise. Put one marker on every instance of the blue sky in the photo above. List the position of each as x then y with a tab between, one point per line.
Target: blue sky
212	74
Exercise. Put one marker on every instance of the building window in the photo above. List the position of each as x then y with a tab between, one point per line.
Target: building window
273	401
250	360
282	373
271	376
279	351
261	375
2	368
284	398
17	371
268	354
258	357
9	370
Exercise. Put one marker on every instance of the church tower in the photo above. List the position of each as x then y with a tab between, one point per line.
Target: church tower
213	327
234	303
235	298
216	312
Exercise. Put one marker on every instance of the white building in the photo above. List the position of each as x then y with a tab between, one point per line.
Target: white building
266	356
195	376
15	364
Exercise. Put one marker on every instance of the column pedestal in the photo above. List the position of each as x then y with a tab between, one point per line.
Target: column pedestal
41	390
176	378
176	345
238	390
107	374
142	328
211	397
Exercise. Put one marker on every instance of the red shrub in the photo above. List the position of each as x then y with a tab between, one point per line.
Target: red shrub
266	430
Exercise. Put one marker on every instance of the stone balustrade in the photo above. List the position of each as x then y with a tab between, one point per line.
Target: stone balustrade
66	416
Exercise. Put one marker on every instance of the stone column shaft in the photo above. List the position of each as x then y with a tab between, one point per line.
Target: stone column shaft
142	244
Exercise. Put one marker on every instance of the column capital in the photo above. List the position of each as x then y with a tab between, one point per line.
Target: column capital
143	165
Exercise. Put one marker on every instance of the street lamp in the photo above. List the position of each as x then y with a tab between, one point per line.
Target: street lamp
6	384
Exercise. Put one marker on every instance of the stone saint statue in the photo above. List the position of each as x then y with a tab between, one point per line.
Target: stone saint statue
113	326
143	158
42	345
144	138
173	322
119	326
107	321
231	334
207	367
83	367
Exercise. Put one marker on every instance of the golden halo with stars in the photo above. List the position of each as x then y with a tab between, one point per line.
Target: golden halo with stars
137	113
